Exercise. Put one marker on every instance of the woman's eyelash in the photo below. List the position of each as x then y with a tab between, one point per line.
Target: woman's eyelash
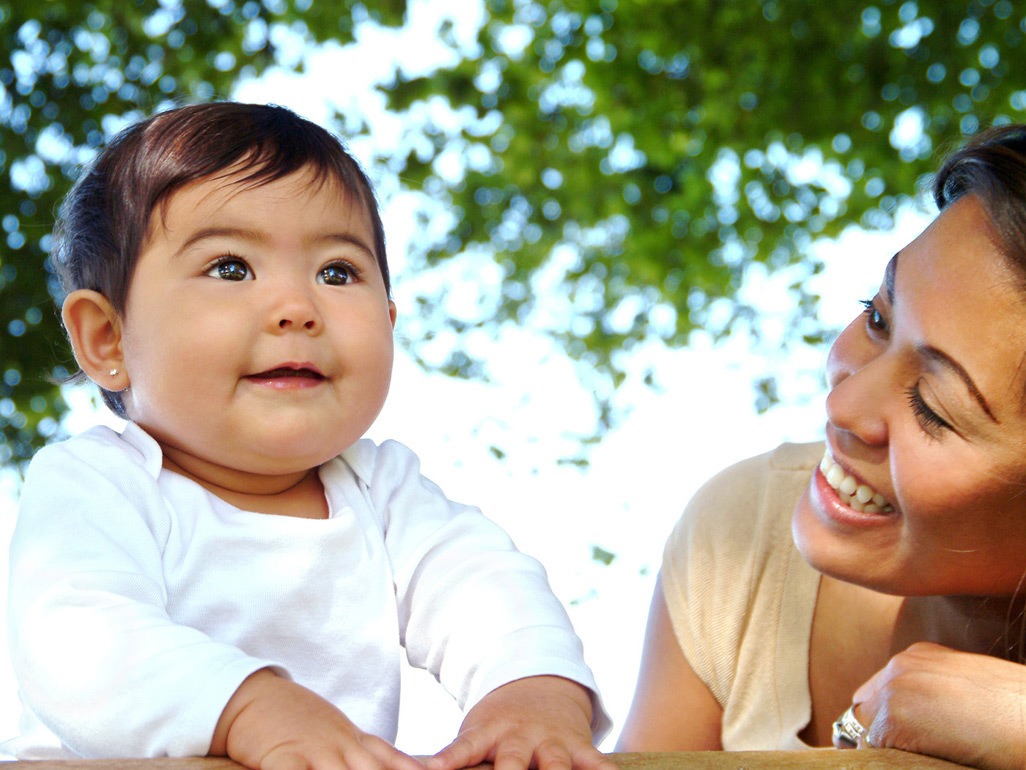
931	422
928	419
874	318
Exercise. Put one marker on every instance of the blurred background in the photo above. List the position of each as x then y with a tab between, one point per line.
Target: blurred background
622	232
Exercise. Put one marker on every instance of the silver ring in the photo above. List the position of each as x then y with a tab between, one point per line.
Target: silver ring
848	729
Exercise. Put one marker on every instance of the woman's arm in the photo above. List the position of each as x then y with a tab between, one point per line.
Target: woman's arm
673	710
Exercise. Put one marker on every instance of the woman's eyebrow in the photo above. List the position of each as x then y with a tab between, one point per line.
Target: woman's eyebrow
931	353
935	355
889	271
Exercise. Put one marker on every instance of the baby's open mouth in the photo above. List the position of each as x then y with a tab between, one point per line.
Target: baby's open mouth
286	371
858	496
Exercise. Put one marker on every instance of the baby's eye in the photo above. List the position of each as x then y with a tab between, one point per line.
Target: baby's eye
230	269
336	274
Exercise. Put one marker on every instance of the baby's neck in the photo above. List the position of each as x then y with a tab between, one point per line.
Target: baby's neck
300	495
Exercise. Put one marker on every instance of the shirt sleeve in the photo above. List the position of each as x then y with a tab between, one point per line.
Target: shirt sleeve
473	610
97	658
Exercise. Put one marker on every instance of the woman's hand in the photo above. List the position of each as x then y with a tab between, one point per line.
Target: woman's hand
272	723
540	721
960	706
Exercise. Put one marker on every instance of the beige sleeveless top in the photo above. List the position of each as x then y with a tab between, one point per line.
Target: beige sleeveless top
741	597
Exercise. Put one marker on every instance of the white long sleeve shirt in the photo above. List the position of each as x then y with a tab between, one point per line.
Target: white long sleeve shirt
139	602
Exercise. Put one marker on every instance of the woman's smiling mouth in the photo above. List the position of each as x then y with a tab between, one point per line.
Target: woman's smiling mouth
859	497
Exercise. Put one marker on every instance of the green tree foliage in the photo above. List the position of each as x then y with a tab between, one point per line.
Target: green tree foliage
72	72
668	146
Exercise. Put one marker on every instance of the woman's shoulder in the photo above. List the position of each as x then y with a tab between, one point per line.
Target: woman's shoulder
730	558
739	489
736	530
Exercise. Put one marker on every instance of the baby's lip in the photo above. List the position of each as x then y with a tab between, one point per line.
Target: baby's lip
288	370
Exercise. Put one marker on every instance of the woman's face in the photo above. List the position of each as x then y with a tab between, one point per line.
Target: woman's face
924	491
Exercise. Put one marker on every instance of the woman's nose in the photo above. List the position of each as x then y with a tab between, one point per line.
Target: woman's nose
858	376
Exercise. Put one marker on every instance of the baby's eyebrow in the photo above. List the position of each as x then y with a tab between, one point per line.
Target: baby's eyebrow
256	236
345	238
219	232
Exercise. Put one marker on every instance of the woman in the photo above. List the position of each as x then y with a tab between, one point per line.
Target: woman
887	588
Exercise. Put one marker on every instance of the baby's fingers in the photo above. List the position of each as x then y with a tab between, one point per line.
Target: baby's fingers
550	755
464	751
323	758
362	752
515	753
587	757
388	755
555	754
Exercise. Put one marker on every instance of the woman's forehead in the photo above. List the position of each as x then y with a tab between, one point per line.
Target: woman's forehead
959	294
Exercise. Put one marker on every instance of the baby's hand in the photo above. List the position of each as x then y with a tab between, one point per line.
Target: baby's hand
541	721
272	723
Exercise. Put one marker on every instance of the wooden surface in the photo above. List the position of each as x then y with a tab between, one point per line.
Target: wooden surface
819	759
822	759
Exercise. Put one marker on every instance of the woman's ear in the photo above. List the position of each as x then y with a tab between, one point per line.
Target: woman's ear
94	328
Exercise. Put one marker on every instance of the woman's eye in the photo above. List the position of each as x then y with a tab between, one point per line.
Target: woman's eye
874	320
931	422
230	269
337	274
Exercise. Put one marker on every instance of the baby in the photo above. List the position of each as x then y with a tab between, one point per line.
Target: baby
237	571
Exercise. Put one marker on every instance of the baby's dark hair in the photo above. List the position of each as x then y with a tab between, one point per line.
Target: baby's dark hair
992	166
104	219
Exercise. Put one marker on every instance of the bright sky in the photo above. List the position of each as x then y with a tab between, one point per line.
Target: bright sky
698	419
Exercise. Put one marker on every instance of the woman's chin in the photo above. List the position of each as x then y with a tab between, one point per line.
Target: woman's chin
852	556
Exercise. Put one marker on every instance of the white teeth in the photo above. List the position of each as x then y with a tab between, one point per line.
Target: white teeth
835	476
858	496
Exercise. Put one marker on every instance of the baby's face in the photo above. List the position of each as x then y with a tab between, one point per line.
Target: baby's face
257	332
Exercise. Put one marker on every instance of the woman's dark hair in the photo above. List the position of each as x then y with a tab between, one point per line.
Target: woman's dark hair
991	166
105	217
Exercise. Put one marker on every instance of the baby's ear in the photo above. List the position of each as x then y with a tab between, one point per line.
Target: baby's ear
94	328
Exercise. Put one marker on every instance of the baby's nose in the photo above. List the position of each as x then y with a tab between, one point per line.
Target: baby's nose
295	310
286	323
